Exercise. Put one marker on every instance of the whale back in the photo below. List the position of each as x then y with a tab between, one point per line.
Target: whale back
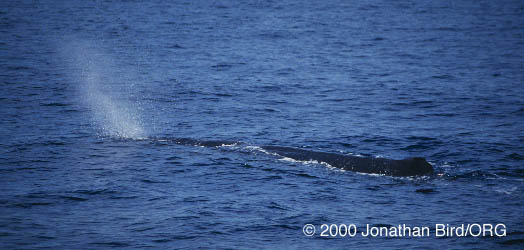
406	167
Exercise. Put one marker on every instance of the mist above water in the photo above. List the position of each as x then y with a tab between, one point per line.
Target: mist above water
103	90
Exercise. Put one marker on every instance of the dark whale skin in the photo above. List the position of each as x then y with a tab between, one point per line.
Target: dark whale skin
406	167
210	143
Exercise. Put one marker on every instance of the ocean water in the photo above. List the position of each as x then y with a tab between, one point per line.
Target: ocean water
94	92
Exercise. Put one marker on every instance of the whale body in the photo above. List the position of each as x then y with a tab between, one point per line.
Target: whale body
201	143
406	167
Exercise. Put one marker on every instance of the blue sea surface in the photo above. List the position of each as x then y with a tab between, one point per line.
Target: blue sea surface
94	92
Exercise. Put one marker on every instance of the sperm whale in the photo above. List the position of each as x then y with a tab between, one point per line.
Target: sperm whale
371	165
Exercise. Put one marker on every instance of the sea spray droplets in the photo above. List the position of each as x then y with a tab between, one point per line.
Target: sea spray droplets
101	91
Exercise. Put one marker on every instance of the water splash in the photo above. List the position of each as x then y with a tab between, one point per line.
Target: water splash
103	90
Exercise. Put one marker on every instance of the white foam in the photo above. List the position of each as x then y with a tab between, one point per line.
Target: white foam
371	174
507	191
257	148
288	159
